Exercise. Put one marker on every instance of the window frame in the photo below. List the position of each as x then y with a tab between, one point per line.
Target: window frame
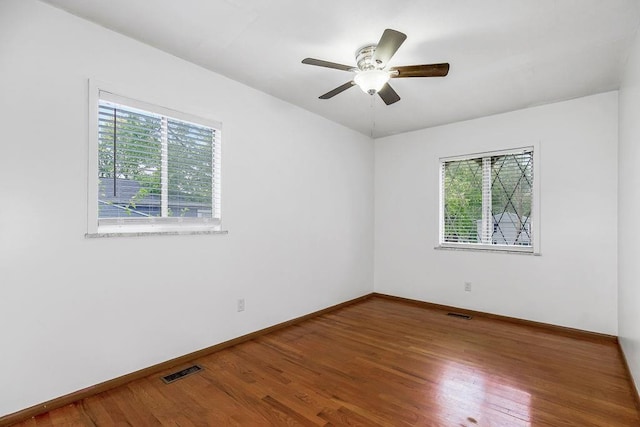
114	227
535	204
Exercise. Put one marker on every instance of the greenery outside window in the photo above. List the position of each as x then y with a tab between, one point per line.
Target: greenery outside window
157	170
486	201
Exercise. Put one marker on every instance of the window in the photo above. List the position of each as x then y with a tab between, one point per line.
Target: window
156	170
486	201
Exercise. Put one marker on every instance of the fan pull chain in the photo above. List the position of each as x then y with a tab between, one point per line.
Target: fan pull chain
373	115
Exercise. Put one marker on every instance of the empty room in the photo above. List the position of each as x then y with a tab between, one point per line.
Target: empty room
281	212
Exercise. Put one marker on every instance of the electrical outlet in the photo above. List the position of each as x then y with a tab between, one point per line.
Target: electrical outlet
241	304
467	286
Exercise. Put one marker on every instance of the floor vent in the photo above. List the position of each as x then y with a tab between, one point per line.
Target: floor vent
461	316
181	374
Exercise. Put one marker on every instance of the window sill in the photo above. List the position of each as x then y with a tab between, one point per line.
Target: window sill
488	249
153	233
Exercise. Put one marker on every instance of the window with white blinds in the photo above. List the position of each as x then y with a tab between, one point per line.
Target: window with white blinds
158	169
487	200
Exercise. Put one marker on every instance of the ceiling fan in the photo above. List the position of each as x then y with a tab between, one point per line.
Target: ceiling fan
372	74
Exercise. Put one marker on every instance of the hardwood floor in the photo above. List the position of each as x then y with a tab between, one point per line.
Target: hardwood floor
382	363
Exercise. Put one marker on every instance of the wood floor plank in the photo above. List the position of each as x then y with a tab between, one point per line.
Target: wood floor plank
382	362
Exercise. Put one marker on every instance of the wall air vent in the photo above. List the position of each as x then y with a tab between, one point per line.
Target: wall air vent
181	374
460	315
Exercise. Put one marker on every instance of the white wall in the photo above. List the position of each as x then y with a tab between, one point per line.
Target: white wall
628	209
573	282
297	201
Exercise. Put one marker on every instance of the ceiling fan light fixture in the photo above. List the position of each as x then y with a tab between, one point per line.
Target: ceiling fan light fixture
372	74
371	81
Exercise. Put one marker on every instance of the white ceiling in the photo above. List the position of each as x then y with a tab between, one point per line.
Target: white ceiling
504	54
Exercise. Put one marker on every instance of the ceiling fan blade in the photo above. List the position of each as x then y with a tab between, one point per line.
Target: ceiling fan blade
388	95
327	64
337	90
388	45
426	70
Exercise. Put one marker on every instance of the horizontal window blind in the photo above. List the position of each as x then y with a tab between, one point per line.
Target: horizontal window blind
153	167
463	185
488	200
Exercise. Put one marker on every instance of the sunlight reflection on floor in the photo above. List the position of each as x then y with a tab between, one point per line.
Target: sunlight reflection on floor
468	396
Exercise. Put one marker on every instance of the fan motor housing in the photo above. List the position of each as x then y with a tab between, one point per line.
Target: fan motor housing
364	58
